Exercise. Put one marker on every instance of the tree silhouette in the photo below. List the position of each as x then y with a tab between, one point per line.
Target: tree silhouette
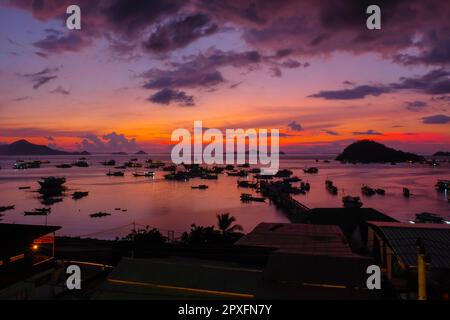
225	224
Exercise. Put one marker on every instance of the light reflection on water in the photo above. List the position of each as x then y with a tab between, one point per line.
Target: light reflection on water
173	205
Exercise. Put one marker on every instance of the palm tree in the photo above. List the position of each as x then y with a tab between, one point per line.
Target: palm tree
225	221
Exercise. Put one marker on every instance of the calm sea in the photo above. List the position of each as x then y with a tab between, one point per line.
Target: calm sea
174	206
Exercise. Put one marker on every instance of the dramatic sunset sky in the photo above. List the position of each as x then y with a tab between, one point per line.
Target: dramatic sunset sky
139	69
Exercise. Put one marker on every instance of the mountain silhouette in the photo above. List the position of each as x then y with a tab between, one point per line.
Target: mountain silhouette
367	151
23	147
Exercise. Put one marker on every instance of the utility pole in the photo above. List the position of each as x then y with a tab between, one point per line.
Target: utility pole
422	261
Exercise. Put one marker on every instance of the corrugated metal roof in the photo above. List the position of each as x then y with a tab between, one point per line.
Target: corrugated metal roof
298	238
402	238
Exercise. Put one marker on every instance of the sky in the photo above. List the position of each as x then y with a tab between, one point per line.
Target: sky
137	70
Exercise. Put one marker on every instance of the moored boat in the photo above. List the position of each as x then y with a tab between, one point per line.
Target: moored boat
352	202
6	208
442	185
144	174
245	197
201	186
406	192
311	170
427	217
367	191
52	182
79	194
99	214
115	174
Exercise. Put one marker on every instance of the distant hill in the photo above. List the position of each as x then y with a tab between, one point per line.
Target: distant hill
442	154
141	152
368	151
25	148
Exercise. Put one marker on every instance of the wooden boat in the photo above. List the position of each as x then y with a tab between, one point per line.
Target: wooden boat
246	184
201	186
79	194
99	214
406	192
442	185
64	166
305	186
144	174
246	197
426	217
109	163
115	174
38	212
52	182
210	176
351	202
81	164
48	201
240	173
6	208
285	173
331	188
311	170
178	176
263	176
367	191
292	179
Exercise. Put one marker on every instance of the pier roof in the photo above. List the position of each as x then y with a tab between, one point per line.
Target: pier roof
402	238
298	238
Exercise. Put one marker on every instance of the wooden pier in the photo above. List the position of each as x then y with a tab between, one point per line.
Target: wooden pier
295	210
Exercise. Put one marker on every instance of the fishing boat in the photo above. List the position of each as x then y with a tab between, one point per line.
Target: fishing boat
305	186
380	191
79	194
427	217
406	192
64	166
6	208
292	179
330	187
442	185
178	176
109	163
144	174
311	170
351	202
99	214
81	164
285	173
210	176
48	201
52	182
367	191
115	174
263	176
246	197
240	173
201	186
133	165
38	212
247	184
